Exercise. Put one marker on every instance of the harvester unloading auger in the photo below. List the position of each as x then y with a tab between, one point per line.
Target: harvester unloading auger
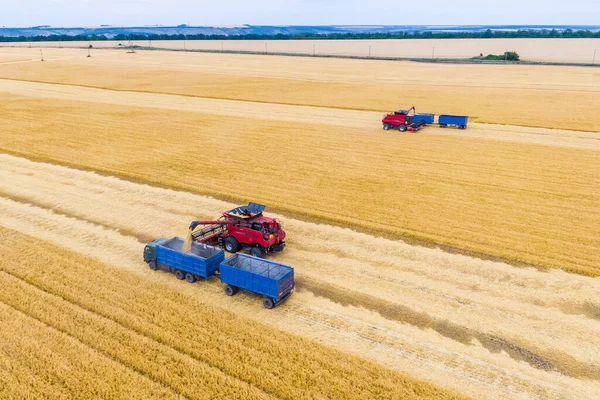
242	228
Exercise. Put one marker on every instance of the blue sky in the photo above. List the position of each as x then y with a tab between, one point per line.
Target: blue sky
296	12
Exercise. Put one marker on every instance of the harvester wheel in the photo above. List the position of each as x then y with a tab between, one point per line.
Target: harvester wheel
231	244
230	290
190	278
386	127
179	274
256	252
402	128
268	303
153	266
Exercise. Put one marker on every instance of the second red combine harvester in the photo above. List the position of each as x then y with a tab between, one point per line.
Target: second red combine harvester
242	228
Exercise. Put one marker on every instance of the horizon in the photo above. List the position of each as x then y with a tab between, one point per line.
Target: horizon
431	26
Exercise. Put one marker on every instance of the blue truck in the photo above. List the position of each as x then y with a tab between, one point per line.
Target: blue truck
456	120
273	281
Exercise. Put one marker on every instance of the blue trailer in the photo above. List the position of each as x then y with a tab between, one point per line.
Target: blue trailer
274	281
427	118
201	262
456	120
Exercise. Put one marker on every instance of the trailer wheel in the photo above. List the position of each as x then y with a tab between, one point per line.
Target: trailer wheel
402	128
179	274
443	125
386	127
190	278
268	303
256	252
463	127
153	266
230	290
231	244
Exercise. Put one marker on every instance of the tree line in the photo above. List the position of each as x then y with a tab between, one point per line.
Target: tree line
487	34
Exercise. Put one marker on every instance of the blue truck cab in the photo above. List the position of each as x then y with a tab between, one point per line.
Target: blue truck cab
202	261
274	281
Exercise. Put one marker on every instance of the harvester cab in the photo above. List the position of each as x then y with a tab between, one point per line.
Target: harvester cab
241	228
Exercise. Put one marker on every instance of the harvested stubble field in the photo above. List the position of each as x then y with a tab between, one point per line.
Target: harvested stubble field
301	136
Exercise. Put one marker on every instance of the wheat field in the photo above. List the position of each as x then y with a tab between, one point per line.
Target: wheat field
545	50
427	264
151	341
449	190
481	328
547	97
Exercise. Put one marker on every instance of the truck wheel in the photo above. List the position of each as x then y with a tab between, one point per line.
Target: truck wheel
230	290
231	244
402	128
179	274
268	303
386	127
190	278
256	252
153	266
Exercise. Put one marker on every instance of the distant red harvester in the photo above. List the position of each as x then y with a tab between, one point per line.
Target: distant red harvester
244	228
403	121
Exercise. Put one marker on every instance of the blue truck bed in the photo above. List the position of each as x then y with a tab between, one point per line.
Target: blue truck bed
202	260
272	280
458	120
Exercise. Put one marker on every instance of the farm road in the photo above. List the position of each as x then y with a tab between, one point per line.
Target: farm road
485	328
370	121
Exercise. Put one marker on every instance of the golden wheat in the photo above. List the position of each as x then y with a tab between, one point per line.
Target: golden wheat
180	343
439	316
542	96
486	197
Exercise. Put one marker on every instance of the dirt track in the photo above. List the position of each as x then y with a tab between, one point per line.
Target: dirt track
484	328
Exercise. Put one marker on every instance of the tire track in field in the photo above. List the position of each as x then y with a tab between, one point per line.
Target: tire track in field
367	120
493	299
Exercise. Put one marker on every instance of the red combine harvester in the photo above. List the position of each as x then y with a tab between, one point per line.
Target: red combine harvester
403	121
243	228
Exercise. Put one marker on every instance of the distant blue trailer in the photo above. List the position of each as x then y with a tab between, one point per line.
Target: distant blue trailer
456	120
427	118
201	262
274	281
